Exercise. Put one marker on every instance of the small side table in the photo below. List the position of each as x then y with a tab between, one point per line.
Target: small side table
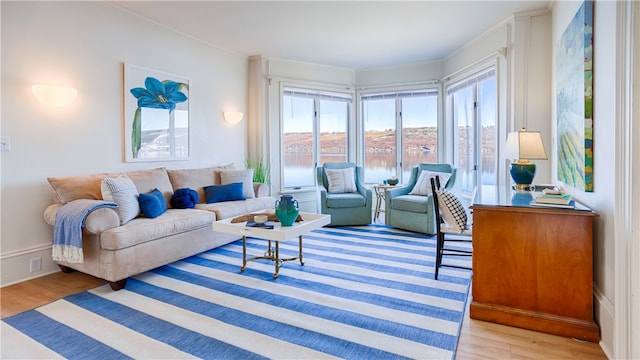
381	195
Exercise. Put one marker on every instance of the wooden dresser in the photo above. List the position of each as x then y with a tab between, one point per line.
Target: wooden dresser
533	267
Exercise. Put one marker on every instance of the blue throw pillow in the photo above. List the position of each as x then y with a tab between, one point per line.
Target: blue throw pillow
184	198
152	204
228	192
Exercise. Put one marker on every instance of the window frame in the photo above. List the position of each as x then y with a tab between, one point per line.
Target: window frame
472	79
398	92
317	93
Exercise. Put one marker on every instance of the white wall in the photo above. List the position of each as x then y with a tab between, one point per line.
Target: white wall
420	72
602	199
84	45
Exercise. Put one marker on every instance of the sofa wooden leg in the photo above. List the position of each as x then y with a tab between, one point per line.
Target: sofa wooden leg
66	269
117	285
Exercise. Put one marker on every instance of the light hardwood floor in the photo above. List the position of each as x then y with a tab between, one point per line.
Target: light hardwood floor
478	339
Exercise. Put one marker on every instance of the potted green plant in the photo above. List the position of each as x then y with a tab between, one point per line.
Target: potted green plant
260	168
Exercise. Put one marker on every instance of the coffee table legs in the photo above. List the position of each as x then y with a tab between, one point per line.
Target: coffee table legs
270	254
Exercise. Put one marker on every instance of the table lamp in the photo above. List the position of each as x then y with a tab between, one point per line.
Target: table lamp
523	146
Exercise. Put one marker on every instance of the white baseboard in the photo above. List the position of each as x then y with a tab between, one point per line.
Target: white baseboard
15	266
605	317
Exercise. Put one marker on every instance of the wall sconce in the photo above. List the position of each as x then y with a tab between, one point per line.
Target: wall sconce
232	117
53	95
521	147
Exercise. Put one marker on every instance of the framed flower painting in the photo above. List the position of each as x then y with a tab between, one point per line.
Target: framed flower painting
156	115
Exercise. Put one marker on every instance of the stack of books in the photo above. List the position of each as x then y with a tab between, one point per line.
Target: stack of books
554	198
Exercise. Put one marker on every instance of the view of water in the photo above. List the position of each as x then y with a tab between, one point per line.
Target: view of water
299	169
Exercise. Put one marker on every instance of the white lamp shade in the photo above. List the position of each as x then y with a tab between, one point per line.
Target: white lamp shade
54	95
525	145
233	117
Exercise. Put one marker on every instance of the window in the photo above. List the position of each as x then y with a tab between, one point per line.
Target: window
473	108
315	131
406	120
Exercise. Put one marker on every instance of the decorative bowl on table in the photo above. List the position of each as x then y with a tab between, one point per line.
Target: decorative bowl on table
260	219
392	182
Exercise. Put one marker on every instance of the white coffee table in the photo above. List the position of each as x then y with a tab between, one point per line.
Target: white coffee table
310	221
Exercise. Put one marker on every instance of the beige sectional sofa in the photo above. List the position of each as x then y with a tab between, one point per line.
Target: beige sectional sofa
115	252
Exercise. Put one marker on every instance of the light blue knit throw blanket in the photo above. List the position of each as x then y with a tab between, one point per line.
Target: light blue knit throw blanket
67	233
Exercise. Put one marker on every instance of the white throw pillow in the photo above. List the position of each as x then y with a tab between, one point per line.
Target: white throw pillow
341	180
122	191
452	210
243	176
423	184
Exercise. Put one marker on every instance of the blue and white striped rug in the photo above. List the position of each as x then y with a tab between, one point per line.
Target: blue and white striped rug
364	292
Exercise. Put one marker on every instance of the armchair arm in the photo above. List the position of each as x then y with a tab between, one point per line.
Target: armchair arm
363	190
397	191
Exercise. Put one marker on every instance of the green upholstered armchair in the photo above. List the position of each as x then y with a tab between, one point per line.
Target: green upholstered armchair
345	208
415	212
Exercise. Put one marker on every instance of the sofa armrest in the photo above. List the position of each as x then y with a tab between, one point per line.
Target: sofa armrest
97	221
261	189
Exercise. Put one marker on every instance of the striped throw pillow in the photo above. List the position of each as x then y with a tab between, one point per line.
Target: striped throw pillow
341	180
122	191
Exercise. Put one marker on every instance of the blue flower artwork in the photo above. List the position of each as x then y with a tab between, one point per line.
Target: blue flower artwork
158	94
159	128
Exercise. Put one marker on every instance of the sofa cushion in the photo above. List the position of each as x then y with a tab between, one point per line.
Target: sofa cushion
228	192
243	176
141	230
345	200
412	203
152	204
197	179
71	188
148	180
122	191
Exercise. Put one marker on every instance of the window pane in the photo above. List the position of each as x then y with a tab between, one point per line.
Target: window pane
419	132
297	127
464	120
155	125
379	124
489	156
333	130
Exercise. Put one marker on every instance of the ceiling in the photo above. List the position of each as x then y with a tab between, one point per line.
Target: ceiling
350	34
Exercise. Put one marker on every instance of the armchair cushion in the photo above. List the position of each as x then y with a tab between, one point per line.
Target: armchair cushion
341	180
346	200
412	203
423	184
452	210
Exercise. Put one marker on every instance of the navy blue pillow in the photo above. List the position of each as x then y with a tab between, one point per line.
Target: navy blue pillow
228	192
152	204
184	198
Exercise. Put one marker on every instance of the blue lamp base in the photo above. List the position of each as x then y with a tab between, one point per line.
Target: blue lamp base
522	175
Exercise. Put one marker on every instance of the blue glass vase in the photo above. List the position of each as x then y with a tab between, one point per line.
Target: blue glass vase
287	210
